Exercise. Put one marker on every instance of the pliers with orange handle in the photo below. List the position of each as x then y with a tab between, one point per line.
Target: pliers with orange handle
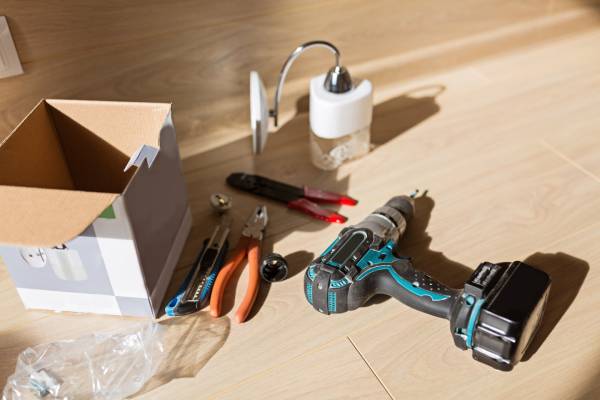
248	246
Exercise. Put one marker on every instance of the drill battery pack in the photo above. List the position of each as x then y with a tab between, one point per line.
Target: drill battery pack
500	310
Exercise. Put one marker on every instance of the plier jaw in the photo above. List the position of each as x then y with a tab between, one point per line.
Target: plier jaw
256	223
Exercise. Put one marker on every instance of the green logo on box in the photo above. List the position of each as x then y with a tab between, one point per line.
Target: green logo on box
109	213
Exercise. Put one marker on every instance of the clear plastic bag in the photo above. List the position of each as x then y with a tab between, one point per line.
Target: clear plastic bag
103	366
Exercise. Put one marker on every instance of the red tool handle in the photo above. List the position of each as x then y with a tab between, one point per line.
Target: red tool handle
323	196
310	208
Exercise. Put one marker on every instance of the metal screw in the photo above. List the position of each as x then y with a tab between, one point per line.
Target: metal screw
220	202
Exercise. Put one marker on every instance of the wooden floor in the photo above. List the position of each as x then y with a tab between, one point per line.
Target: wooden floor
508	147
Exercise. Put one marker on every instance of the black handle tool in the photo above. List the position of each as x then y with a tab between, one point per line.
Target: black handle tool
303	199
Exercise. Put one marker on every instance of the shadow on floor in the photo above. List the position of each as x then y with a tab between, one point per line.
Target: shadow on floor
189	343
395	116
566	272
286	158
263	289
416	242
590	390
297	262
196	338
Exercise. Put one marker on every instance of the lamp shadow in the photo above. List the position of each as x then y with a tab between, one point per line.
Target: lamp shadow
398	115
395	116
566	272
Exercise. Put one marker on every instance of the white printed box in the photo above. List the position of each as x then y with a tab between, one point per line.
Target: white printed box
93	206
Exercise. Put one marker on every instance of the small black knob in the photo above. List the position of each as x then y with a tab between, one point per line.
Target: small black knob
274	268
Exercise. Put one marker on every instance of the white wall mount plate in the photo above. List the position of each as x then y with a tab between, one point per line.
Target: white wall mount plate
259	113
10	65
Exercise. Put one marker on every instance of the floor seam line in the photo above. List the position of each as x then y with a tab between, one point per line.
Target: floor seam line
371	369
568	160
268	370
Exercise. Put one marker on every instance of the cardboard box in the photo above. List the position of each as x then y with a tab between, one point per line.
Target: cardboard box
93	206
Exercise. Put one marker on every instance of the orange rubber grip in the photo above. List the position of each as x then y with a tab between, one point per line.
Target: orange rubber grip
253	281
216	297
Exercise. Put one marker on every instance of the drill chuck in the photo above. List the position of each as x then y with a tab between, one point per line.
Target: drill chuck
389	221
495	315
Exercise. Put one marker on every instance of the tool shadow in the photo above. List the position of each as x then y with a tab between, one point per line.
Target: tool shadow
229	297
297	261
566	272
416	243
286	158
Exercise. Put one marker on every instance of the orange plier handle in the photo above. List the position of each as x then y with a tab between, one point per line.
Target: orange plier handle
246	247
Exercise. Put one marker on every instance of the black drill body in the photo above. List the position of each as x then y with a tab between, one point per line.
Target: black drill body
495	314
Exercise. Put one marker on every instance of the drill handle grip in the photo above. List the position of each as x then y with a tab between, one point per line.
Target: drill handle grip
399	279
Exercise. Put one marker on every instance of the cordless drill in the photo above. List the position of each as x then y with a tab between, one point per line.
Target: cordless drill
496	313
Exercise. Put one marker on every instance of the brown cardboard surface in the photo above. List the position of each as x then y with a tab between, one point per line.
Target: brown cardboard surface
63	165
32	154
125	125
47	217
95	164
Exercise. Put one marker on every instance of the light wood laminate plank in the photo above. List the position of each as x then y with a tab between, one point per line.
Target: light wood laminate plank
498	149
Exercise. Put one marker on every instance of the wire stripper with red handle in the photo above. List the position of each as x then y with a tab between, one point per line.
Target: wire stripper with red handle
303	199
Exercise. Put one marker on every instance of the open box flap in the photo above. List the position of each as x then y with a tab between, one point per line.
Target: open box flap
125	125
65	164
35	217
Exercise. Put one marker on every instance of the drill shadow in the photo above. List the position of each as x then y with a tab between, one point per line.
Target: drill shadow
415	243
297	262
567	274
